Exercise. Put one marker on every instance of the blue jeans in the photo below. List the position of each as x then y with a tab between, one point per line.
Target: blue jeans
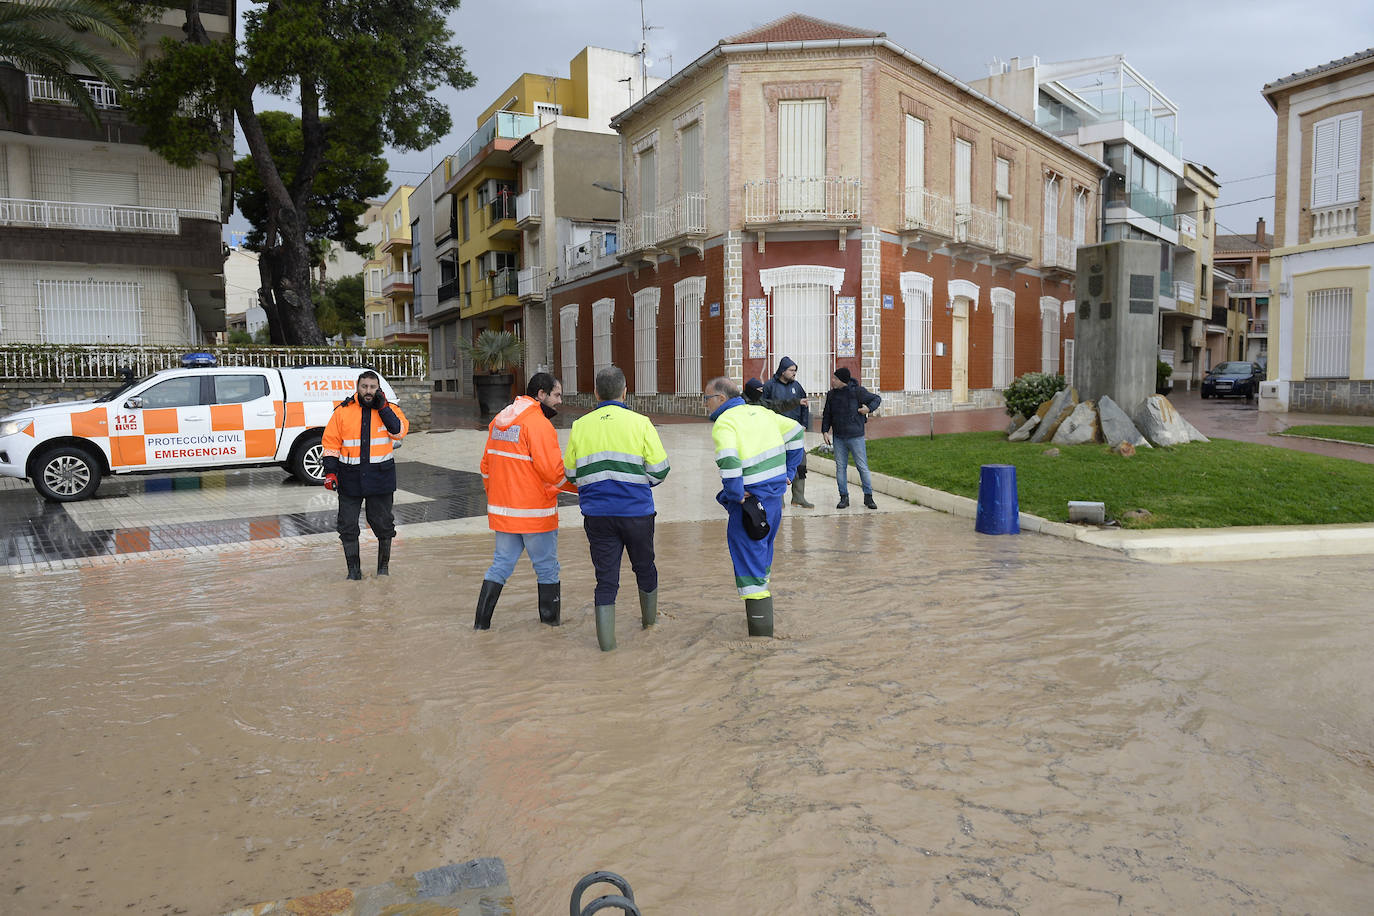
542	546
859	449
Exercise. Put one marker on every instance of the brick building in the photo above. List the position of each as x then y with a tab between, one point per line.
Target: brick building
812	190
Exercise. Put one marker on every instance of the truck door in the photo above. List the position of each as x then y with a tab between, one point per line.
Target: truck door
175	423
245	415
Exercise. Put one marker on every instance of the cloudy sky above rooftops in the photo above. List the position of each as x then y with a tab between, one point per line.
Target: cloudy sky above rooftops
1210	57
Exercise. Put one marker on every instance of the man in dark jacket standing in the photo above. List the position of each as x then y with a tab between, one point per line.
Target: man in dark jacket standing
358	443
848	406
785	395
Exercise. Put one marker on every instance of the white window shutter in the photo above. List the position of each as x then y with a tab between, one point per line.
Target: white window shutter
1348	157
692	182
1324	164
915	152
1051	208
963	174
1003	178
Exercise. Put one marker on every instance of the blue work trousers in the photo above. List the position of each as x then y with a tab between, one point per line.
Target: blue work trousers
857	447
542	546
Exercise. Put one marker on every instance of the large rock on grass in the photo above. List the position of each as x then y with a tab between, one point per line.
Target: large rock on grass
1116	424
1023	432
1080	428
1061	405
1162	424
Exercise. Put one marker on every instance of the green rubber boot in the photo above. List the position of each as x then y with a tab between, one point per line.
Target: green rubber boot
605	626
648	608
759	613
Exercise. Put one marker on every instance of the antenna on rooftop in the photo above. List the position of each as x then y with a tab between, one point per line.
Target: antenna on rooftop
644	62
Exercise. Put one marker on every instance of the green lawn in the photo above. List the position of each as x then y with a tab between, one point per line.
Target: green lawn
1199	485
1364	434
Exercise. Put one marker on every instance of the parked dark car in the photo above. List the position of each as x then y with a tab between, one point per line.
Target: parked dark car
1240	379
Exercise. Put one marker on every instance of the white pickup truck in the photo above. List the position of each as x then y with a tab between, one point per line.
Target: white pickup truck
189	419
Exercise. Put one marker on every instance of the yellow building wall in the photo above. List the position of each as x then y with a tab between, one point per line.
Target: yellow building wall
530	88
1357	278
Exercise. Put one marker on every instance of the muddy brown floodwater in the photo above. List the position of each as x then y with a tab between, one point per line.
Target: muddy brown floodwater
948	723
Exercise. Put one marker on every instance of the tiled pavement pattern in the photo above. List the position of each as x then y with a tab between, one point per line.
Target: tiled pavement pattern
441	493
141	514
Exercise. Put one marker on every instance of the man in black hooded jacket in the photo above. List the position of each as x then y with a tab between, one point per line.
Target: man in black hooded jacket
848	406
785	395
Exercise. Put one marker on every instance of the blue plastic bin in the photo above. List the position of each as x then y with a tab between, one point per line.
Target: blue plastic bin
998	509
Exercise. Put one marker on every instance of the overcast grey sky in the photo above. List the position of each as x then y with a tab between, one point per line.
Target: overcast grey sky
1210	57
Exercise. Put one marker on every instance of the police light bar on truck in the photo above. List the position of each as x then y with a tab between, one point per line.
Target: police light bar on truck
198	361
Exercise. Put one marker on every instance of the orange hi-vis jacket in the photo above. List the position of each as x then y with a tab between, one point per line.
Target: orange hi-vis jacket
343	447
522	470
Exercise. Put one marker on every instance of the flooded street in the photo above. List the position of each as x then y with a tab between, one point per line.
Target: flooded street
947	723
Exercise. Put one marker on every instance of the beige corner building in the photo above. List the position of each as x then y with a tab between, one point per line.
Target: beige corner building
1321	336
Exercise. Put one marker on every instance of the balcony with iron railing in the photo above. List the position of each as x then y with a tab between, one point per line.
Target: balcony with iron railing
499	216
832	200
1335	222
396	282
685	216
590	256
530	283
527	208
927	212
1259	327
103	95
1059	253
65	214
1248	287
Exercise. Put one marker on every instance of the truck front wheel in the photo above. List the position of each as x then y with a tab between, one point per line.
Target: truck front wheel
307	465
66	474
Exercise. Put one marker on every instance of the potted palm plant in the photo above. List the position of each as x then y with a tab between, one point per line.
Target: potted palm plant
493	355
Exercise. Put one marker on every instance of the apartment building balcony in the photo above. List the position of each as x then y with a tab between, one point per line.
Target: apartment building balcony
530	284
1187	224
927	219
1259	327
1059	256
394	242
1185	292
802	202
397	283
1335	222
500	217
397	333
681	224
528	208
1248	287
103	95
638	239
597	253
68	214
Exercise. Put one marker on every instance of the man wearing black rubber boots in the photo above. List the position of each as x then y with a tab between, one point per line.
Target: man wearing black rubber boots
358	462
785	395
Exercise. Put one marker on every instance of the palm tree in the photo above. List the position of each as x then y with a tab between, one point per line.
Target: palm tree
36	37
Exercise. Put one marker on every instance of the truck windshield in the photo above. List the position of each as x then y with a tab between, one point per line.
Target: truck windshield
124	386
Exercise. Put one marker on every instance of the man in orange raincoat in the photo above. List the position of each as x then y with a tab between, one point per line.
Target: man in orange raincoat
522	470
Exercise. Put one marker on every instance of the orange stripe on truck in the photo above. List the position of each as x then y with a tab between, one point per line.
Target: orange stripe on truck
161	421
260	443
226	417
91	424
295	414
127	450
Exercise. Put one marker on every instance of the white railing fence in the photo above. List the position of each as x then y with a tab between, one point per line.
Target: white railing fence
527	205
1060	251
104	362
928	211
43	89
830	199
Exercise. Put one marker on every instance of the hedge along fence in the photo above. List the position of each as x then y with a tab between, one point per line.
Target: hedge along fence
31	362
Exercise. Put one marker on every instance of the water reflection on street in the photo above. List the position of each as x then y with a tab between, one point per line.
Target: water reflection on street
947	723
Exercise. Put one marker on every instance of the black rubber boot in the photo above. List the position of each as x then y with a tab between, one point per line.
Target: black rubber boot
550	603
843	503
759	613
605	626
799	494
648	608
355	565
486	604
383	556
868	501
